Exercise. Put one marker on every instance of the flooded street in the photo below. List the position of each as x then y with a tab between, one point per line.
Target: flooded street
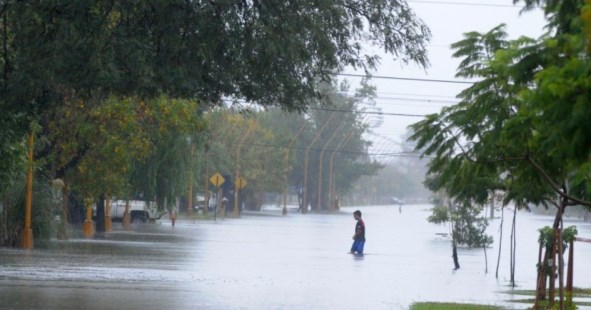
269	261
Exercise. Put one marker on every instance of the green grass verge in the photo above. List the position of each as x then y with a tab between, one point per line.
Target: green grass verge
577	293
450	306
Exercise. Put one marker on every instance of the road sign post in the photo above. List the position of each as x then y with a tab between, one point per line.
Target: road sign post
239	184
217	180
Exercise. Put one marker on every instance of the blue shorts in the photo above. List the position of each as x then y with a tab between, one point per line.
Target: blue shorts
358	246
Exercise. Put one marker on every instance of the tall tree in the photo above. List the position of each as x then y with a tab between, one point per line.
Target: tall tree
269	53
523	126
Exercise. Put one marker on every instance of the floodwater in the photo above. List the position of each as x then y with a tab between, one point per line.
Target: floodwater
268	261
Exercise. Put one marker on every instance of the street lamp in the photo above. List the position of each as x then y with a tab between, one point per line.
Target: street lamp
190	194
284	212
305	198
318	200
237	182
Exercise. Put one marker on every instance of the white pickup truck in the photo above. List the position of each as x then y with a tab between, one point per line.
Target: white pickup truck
139	211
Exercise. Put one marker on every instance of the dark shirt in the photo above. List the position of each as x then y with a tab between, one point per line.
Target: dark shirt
360	230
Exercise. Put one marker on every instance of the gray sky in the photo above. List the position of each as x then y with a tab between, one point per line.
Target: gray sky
448	20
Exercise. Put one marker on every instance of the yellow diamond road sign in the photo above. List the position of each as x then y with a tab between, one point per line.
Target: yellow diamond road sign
240	182
217	179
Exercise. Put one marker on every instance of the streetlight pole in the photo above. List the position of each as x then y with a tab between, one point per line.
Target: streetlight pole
331	183
305	198
320	164
236	212
284	212
190	194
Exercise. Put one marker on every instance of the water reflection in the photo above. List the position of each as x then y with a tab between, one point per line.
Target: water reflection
270	262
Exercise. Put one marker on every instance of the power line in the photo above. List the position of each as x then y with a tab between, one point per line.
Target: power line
417	99
344	151
403	78
406	99
352	93
466	3
366	112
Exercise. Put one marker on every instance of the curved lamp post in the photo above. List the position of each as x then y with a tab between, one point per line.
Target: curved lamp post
305	198
319	196
284	212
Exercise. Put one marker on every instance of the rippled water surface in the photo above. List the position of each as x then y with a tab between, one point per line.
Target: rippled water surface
269	261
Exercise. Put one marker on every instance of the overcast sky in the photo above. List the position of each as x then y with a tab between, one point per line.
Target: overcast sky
448	20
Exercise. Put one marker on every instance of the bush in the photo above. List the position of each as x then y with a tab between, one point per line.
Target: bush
12	210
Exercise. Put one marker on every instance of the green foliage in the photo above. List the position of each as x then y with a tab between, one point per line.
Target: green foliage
569	234
269	53
13	161
560	14
273	144
509	133
470	226
12	211
439	215
167	127
546	238
73	57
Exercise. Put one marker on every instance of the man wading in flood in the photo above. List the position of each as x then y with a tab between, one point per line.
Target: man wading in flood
359	236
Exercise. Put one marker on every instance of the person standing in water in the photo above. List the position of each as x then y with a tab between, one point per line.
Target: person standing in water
359	236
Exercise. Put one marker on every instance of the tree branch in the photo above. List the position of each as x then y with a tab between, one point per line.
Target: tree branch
554	186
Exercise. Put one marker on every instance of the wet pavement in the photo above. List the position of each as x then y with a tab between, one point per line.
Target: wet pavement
268	261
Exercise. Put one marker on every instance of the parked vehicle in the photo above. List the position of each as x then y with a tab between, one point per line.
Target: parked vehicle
199	204
140	211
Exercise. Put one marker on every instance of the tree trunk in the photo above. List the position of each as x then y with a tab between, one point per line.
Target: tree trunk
551	292
62	230
541	274
569	274
500	241
454	254
560	269
100	218
513	250
455	257
485	259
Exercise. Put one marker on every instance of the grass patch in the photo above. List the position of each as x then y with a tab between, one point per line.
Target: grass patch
577	293
451	306
581	292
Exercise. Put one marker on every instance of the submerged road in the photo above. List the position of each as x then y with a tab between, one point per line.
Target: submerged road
269	261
